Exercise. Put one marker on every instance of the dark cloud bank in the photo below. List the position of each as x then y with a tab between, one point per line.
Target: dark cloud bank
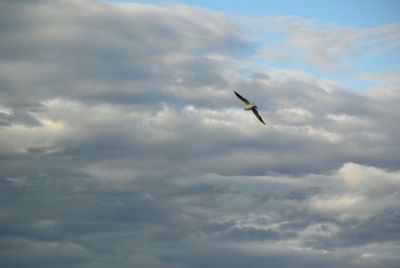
121	145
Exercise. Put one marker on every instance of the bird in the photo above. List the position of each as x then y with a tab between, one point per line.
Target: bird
250	106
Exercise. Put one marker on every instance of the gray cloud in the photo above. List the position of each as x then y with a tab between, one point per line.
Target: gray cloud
121	144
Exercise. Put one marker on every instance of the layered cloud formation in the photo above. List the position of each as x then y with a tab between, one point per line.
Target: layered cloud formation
122	144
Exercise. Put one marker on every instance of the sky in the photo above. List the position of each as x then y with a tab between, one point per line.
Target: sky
322	15
123	145
371	13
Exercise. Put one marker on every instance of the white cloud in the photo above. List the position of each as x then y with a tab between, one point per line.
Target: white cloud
369	179
361	192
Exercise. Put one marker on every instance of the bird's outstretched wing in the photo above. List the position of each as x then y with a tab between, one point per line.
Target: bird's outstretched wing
258	115
240	97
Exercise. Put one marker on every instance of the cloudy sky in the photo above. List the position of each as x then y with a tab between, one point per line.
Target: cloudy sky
122	144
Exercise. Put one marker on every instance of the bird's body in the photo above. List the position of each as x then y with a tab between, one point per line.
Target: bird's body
250	106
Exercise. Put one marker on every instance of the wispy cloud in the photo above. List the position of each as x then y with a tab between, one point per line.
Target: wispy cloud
327	47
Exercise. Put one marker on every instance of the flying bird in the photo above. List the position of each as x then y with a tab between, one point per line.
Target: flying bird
250	106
